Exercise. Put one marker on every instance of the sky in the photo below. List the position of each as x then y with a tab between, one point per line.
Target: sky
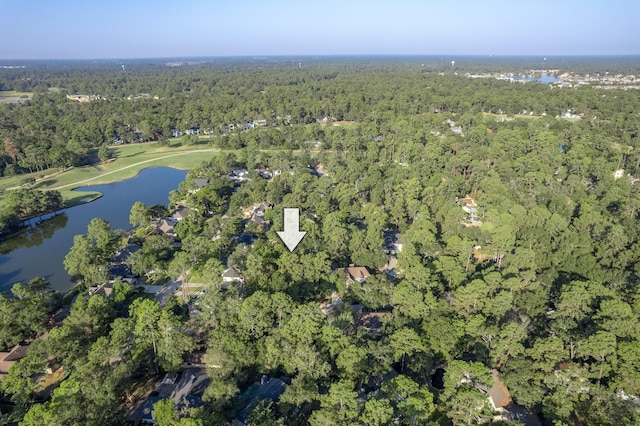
93	29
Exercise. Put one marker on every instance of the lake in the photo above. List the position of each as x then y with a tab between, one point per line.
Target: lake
40	250
544	79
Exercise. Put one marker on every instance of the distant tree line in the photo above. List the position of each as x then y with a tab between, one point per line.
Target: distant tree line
52	131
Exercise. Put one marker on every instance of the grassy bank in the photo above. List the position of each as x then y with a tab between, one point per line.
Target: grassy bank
129	161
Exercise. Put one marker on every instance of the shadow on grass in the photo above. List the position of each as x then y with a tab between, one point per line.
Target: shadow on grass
133	154
46	183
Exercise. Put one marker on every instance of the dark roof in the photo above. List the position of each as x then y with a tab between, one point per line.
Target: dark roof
375	382
16	353
166	227
124	253
61	314
230	273
270	389
391	238
246	238
201	183
371	321
190	388
146	411
105	289
180	213
120	270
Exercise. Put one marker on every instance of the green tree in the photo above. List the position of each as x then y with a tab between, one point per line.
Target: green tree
105	153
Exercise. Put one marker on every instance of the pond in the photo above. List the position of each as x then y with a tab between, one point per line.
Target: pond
40	250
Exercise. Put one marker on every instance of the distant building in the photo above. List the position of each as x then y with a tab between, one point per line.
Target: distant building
469	206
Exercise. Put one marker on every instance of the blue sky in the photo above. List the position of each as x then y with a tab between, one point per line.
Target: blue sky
64	29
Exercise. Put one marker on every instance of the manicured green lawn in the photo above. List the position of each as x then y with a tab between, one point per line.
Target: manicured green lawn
14	94
130	160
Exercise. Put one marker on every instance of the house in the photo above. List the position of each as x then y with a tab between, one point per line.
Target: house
123	254
105	289
268	389
119	270
239	174
375	382
231	275
201	183
146	410
7	359
246	238
320	170
328	305
185	390
356	273
59	316
468	204
371	322
257	216
180	213
508	410
166	227
189	388
392	242
470	207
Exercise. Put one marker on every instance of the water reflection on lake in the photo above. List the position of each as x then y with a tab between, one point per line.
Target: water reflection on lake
40	251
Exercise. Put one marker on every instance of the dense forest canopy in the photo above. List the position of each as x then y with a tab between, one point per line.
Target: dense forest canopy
513	259
145	101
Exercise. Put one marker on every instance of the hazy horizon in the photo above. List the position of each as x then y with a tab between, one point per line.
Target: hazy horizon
294	57
145	29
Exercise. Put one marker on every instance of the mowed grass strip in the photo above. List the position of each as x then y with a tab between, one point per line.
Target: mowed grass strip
130	160
15	94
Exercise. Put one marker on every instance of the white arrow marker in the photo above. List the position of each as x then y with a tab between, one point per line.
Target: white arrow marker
291	236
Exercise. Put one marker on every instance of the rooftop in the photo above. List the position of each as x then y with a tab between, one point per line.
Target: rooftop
357	273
